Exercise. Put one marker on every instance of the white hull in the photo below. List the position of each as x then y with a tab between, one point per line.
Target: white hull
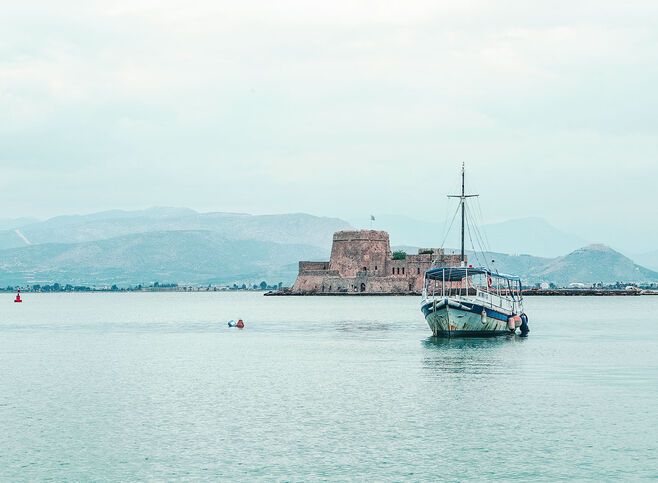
447	321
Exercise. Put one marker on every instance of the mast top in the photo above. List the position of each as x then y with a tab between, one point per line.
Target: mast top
463	195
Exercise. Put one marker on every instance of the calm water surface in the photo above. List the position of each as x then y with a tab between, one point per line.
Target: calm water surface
155	386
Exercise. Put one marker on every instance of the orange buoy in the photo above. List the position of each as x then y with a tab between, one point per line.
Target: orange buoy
240	324
510	323
18	297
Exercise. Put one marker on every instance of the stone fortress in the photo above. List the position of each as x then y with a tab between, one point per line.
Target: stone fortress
362	263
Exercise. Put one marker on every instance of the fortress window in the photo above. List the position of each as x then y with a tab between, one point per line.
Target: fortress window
375	267
365	269
418	270
402	270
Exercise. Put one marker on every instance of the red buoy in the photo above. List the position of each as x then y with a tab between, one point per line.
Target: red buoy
240	324
18	297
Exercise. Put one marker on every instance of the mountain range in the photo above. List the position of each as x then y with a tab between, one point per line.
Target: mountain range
590	264
184	246
184	256
296	228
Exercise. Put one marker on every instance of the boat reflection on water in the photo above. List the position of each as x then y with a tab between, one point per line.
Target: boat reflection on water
469	355
443	343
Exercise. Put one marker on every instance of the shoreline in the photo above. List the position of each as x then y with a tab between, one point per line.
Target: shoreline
526	293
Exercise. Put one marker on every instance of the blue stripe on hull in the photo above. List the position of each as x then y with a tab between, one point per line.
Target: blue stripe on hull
476	309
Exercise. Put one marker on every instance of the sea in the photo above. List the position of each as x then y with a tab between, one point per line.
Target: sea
157	387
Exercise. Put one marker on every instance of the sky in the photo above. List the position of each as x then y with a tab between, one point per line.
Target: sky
343	108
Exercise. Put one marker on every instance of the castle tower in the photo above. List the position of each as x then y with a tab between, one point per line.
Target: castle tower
360	251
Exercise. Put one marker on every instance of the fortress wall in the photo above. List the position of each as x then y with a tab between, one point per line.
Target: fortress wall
312	266
325	283
308	283
335	284
352	251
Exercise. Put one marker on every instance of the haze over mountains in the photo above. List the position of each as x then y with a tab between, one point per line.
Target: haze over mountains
162	244
185	256
184	246
287	228
533	236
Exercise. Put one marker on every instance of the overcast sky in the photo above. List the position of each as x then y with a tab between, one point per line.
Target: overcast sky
341	108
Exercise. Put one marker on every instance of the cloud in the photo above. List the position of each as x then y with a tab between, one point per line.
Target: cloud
328	107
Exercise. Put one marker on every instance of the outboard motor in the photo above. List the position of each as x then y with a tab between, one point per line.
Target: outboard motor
524	325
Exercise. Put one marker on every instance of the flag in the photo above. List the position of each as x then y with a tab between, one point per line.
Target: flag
372	217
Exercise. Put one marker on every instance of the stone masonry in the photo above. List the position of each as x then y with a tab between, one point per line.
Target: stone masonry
362	262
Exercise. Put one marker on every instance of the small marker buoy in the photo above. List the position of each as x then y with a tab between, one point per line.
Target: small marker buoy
231	323
18	297
240	324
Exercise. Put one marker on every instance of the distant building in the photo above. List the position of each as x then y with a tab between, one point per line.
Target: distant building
578	285
362	262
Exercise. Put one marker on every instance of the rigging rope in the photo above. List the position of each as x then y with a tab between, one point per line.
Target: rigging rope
475	251
479	237
470	216
448	230
483	233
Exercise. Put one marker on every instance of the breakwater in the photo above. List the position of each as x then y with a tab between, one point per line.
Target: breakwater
558	292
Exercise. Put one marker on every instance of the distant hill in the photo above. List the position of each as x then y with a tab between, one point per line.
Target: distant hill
176	256
591	264
533	236
295	228
595	263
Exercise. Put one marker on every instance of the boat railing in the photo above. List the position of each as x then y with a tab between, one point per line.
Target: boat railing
495	300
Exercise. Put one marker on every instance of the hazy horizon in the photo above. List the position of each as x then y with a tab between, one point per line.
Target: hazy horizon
404	230
343	109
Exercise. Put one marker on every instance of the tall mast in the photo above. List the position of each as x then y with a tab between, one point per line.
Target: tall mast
463	217
462	202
